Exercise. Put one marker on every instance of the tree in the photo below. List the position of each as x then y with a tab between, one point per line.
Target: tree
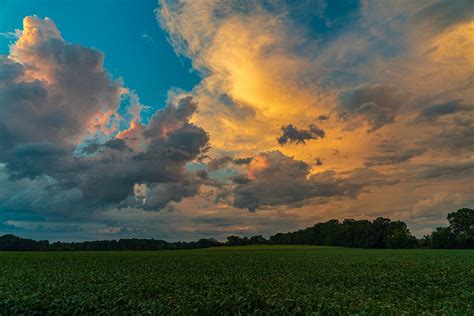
258	240
461	224
443	237
400	237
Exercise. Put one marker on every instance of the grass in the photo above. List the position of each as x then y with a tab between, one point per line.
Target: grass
240	280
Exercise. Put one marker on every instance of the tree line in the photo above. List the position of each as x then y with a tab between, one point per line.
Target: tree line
379	233
14	243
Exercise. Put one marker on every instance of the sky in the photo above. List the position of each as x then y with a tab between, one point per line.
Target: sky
126	31
182	120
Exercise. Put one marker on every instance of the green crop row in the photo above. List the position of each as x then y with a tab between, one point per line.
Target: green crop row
237	281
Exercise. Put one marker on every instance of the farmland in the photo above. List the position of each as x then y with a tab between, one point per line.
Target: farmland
233	280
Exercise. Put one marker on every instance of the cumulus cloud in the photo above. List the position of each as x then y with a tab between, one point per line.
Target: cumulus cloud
274	179
170	142
58	123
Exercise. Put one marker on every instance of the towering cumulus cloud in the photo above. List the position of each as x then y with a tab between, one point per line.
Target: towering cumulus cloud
59	123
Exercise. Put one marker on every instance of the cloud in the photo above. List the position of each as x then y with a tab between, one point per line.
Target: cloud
443	13
158	196
371	66
376	103
73	143
11	35
250	66
170	142
274	179
456	135
217	163
442	109
428	209
293	134
448	169
9	70
60	124
390	153
448	127
220	162
55	90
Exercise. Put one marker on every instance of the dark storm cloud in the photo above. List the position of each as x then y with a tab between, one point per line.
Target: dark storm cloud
294	135
283	180
376	103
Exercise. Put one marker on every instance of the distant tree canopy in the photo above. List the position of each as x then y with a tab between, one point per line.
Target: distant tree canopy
459	233
11	242
379	233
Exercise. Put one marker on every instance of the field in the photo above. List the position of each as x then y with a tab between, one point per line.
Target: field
240	280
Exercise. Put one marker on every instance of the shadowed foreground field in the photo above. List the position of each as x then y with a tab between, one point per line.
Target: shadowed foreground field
233	280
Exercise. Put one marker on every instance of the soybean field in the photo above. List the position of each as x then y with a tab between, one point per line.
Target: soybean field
258	280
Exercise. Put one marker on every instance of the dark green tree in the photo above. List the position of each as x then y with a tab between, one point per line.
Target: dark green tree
461	224
443	237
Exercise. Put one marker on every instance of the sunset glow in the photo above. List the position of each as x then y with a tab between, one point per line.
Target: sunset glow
282	115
